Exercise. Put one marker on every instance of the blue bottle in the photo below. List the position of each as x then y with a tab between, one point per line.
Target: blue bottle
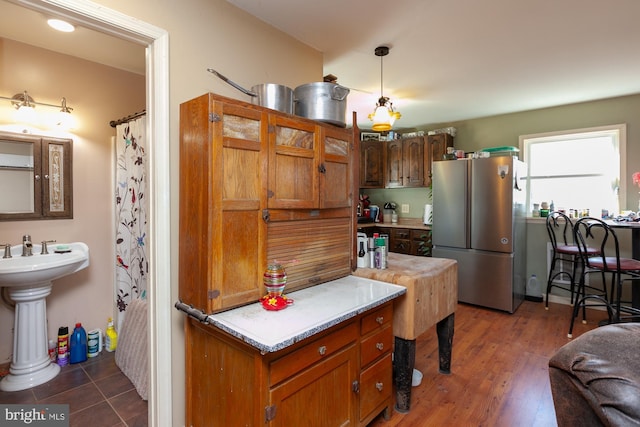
78	344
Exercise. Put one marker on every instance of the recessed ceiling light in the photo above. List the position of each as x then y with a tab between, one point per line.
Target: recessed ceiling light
61	25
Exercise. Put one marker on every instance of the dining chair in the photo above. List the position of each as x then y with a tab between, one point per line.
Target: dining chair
596	233
564	251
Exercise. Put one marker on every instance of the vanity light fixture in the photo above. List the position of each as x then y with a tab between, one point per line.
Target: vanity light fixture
60	25
384	115
25	105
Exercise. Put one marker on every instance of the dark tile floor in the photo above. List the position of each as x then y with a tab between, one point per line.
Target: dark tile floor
97	392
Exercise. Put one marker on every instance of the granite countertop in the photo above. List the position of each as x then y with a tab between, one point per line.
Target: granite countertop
414	223
315	309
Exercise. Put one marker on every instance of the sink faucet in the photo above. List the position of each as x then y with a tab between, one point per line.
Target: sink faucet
27	246
7	250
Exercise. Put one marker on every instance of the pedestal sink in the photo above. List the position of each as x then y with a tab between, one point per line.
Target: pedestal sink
29	280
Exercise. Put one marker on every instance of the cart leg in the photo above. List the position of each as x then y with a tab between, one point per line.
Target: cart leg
404	359
444	329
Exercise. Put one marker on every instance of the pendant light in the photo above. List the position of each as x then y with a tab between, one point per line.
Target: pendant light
383	116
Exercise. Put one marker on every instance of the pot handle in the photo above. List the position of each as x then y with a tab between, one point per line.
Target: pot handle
339	93
237	86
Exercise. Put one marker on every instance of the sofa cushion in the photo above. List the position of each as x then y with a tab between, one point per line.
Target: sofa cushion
595	379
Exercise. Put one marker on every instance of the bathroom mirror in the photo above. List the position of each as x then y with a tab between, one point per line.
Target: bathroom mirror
35	177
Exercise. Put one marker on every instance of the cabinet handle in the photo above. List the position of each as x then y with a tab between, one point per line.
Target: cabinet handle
380	320
322	168
322	350
380	346
355	386
379	386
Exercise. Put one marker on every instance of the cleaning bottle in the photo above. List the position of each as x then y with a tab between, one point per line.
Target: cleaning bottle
63	346
78	344
111	337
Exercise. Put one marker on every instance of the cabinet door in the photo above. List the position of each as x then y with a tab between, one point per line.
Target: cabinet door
322	395
393	171
222	180
436	147
56	168
372	164
376	383
293	164
413	162
335	168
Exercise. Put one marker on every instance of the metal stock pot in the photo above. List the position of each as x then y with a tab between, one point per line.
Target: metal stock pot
323	101
270	95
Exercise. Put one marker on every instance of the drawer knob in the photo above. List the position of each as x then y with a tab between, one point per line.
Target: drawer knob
380	320
322	350
380	346
379	386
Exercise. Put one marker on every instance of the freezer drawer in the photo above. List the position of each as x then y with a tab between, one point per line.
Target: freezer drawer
484	278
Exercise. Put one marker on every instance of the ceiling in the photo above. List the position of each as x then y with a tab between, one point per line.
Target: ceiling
450	60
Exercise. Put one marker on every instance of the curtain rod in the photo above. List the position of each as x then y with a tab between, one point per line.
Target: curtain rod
114	123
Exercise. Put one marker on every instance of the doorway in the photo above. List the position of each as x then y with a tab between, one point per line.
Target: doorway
155	39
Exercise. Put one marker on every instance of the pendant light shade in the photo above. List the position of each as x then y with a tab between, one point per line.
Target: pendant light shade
383	116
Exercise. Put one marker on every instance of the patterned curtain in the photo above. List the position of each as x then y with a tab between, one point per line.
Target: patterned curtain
132	265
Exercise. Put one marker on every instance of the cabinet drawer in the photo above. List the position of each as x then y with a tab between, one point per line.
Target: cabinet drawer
401	233
419	234
311	353
400	246
375	386
376	319
376	345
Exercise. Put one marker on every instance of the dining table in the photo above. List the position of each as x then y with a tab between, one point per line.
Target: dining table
634	227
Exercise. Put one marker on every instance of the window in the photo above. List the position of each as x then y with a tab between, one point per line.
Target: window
578	169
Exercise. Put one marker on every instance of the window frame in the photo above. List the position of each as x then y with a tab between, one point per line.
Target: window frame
620	128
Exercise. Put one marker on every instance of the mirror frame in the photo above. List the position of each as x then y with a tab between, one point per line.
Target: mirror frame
50	154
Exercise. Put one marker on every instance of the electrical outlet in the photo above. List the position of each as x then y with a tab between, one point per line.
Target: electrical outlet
405	208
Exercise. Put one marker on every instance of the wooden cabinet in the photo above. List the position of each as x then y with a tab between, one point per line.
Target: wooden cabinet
436	147
340	377
309	165
376	373
259	185
401	163
36	177
405	163
372	164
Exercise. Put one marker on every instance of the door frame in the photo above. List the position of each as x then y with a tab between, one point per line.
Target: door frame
156	40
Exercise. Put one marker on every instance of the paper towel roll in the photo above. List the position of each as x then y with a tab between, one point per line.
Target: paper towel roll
428	209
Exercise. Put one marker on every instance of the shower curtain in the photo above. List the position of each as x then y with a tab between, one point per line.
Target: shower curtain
132	266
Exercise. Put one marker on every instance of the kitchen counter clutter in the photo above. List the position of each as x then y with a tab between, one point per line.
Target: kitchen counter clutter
313	310
431	299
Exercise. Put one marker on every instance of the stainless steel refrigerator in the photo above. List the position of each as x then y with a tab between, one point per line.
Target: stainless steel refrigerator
479	220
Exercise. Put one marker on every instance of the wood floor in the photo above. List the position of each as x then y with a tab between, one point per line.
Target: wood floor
499	369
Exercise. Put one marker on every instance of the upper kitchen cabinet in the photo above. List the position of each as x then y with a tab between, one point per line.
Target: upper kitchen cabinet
257	185
309	165
336	185
405	163
223	171
436	148
372	164
35	177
